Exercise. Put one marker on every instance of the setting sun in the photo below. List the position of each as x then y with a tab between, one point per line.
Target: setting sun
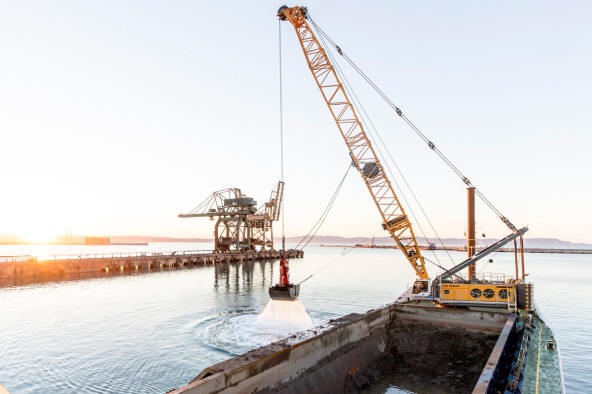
40	234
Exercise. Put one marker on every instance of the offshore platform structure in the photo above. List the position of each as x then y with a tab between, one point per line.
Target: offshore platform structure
240	226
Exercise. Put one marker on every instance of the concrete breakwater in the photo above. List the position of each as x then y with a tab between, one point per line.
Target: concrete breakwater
13	267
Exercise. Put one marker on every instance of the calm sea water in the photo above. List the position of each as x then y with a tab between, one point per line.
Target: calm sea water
149	333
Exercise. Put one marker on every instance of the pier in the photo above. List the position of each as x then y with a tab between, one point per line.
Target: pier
13	267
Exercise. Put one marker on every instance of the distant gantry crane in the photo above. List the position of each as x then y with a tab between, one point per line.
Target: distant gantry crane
241	226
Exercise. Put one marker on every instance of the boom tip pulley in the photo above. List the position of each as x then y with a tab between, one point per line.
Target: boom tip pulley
295	11
280	12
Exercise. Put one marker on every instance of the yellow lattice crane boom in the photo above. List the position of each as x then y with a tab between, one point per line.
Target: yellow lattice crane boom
395	221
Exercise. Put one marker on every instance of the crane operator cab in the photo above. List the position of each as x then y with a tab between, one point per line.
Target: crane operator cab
284	290
422	290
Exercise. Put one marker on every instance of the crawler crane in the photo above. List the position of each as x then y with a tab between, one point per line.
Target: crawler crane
448	289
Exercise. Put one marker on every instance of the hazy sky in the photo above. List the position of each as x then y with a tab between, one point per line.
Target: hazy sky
115	116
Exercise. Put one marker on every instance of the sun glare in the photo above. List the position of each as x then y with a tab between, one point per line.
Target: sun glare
40	235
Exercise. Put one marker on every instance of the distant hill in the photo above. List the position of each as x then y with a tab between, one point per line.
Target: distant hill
537	243
7	239
142	238
10	239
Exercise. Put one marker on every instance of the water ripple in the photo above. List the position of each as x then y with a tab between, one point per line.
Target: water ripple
152	333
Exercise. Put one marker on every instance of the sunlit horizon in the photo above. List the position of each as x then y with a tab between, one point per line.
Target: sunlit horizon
114	125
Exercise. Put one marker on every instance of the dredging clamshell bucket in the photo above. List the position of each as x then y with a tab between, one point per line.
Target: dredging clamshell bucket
285	293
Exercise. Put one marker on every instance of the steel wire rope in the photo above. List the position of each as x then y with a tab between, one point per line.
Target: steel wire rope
368	121
332	262
430	144
333	198
281	136
490	260
325	213
363	116
437	264
349	250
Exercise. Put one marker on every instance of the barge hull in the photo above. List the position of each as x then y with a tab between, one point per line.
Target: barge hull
447	348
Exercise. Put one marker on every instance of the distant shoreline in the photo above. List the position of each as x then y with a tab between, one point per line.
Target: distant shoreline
530	244
114	241
73	243
463	249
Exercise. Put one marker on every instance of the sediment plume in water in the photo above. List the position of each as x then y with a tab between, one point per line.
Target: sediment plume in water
285	315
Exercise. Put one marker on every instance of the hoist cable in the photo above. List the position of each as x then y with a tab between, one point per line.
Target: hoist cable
330	263
441	267
281	136
369	125
430	144
349	250
324	215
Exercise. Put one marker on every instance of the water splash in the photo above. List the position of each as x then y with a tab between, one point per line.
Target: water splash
287	316
238	331
237	334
